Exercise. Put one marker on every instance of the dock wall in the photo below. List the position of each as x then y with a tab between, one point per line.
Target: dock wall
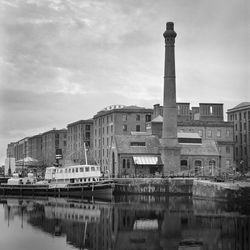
160	186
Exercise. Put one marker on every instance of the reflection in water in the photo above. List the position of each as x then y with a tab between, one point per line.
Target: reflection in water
136	222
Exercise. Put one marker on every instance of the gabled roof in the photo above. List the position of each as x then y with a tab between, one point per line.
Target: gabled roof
207	147
123	142
158	118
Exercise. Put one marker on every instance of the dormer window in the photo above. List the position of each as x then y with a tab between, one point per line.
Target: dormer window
138	144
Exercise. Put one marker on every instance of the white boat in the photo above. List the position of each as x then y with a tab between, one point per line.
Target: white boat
60	177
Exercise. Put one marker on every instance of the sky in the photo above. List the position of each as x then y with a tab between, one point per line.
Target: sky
64	60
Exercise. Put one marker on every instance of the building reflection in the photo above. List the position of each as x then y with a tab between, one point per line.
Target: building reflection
137	222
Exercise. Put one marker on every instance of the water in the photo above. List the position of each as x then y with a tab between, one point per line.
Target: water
136	223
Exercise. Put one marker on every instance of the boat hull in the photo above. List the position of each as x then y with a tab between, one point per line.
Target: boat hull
101	191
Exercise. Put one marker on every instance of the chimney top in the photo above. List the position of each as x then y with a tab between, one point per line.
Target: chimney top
170	26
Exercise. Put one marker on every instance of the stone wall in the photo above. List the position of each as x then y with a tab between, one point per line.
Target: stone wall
156	186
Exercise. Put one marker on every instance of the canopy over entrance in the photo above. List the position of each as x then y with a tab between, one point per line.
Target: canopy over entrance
147	160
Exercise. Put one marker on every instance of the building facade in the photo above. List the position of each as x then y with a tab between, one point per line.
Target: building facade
240	117
219	131
205	111
51	141
78	134
138	155
35	148
116	120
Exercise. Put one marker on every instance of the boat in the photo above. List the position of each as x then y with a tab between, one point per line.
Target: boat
76	180
79	180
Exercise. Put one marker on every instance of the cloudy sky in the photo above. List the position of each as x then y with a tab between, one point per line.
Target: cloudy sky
64	60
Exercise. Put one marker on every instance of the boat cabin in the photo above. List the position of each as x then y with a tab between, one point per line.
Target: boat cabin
73	174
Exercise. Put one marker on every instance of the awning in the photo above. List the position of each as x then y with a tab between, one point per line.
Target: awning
146	160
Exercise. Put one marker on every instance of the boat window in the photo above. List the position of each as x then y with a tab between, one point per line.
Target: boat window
87	169
61	170
76	170
73	170
66	170
92	168
81	169
69	170
98	168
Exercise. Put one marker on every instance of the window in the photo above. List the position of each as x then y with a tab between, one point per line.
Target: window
87	169
81	169
124	127
200	133
211	110
227	149
227	132
92	168
87	127
140	144
148	118
124	118
123	163
218	133
209	133
87	135
107	129
138	128
184	165
76	170
128	163
138	117
111	128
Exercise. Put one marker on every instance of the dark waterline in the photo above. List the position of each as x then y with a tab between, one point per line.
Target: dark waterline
135	222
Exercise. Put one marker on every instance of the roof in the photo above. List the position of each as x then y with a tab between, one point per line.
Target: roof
152	144
242	105
158	118
122	109
89	121
188	135
207	147
198	123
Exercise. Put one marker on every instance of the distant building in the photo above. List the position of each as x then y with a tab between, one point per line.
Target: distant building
209	125
78	133
135	155
21	149
139	155
116	120
240	117
52	140
35	147
205	111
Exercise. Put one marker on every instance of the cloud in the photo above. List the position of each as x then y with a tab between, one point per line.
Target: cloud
61	61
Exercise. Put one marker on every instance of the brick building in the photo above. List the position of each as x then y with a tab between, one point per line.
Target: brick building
78	133
205	120
116	120
240	117
35	147
52	140
139	155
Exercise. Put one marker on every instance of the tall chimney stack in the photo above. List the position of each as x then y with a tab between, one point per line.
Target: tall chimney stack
170	148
